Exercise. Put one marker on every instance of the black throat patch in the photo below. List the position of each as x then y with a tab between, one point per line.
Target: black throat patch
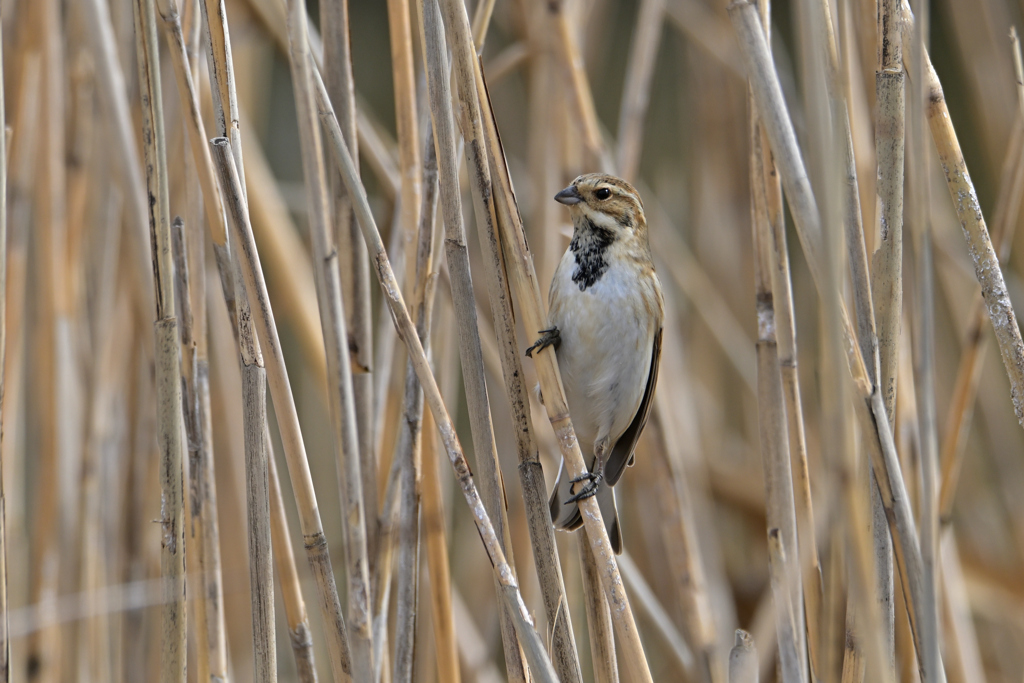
588	245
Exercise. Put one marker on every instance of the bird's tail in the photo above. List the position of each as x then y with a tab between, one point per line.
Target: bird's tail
568	517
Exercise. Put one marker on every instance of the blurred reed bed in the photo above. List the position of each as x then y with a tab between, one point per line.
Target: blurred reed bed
268	264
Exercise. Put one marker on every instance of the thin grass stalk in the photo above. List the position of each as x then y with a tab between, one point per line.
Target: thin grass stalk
299	634
599	618
540	665
523	281
968	377
337	56
111	81
409	452
168	370
531	474
979	244
643	54
334	326
287	417
464	62
437	557
743	659
5	643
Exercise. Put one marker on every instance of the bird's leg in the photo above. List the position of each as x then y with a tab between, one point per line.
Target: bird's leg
547	338
593	477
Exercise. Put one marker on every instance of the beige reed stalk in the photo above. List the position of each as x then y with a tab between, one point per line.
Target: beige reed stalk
287	417
790	657
965	201
869	407
337	56
408	455
168	369
222	78
5	643
887	261
523	281
464	63
205	531
299	633
537	658
333	325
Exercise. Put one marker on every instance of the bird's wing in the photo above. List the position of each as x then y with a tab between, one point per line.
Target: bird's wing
622	451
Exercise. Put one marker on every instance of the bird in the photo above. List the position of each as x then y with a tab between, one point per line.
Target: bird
605	315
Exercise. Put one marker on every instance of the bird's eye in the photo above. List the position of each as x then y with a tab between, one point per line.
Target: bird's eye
603	193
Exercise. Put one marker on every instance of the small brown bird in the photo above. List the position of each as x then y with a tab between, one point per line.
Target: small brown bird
605	319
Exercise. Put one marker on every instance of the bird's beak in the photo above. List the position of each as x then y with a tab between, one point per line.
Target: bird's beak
569	196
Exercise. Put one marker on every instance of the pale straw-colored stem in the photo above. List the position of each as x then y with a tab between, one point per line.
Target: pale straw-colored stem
5	643
599	618
743	659
168	370
643	52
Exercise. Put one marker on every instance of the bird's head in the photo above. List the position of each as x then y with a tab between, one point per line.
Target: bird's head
598	201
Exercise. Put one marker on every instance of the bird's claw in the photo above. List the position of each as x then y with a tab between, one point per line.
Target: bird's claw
589	489
547	338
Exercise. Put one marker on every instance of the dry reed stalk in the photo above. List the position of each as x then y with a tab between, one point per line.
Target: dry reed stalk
333	323
437	559
636	94
540	665
337	57
168	367
968	377
409	451
47	268
299	634
523	280
599	618
962	654
5	643
202	554
887	261
648	603
965	201
699	24
464	68
284	406
743	659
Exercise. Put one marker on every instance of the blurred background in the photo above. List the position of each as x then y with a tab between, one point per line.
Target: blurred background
698	466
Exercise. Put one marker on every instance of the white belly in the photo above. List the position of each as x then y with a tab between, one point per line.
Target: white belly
605	351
